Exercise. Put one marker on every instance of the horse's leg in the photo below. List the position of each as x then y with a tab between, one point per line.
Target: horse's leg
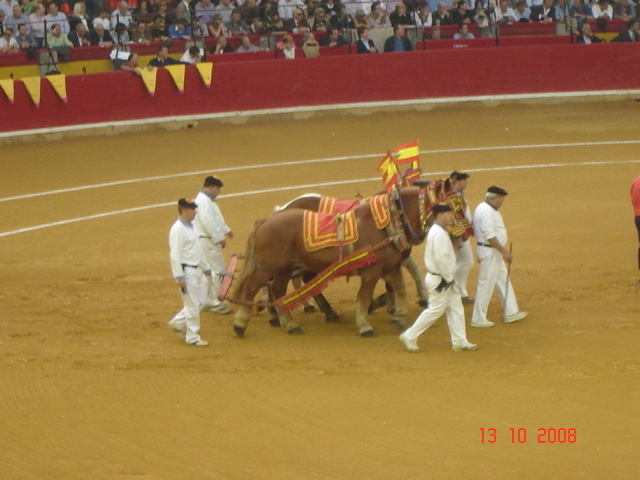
249	288
279	290
414	269
308	306
330	314
368	281
378	302
274	319
397	289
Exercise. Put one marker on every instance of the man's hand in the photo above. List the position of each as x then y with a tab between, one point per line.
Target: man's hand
230	234
223	243
182	282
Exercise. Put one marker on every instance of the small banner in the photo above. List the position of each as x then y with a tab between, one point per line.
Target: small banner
7	86
59	84
177	73
206	72
32	84
149	79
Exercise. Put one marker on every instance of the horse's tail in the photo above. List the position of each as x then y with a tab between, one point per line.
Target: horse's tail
249	265
279	208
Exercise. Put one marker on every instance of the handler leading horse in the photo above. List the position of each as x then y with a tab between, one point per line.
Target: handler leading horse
276	248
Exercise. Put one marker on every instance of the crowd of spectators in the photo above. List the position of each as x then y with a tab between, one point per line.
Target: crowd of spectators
67	24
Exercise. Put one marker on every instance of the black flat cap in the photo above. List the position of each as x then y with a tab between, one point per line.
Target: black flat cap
441	208
497	190
187	202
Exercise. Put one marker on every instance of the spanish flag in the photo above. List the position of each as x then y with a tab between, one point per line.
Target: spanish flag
389	171
410	175
409	153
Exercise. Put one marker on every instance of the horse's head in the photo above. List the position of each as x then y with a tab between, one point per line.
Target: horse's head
409	199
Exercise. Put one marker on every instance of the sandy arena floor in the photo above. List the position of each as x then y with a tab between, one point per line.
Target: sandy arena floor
94	385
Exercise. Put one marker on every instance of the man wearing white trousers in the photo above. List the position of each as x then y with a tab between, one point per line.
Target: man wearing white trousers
444	294
188	266
213	233
464	255
491	238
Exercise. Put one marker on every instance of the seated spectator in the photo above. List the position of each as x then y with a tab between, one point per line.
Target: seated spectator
121	35
442	15
36	20
378	17
563	10
59	42
630	34
361	20
436	33
624	10
602	9
582	12
54	17
236	26
26	41
160	32
221	46
217	27
246	46
425	16
249	11
192	56
143	13
333	38
397	42
180	31
364	43
224	9
400	16
79	37
121	15
310	46
522	12
463	33
586	35
480	15
132	65
100	37
343	20
505	15
331	9
163	59
297	24
287	8
79	16
163	12
28	6
7	7
102	19
204	13
8	44
319	22
461	14
141	34
17	18
544	13
183	11
287	47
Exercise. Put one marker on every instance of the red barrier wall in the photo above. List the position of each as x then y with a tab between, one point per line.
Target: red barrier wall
270	84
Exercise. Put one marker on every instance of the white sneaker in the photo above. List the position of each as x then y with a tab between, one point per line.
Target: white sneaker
467	346
222	309
200	343
515	317
410	345
180	331
486	324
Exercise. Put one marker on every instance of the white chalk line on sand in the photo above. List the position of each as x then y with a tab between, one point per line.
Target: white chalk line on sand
317	160
309	186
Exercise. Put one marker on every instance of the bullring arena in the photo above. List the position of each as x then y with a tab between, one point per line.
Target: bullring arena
96	386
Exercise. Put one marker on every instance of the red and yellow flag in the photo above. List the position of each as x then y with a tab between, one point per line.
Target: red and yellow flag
409	153
389	171
410	175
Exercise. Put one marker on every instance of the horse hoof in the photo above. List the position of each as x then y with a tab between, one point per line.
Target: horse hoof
369	334
401	326
239	330
424	303
275	322
309	308
332	317
296	331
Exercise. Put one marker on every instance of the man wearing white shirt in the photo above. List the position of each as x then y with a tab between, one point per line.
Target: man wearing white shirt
121	15
213	233
491	238
7	7
444	294
188	266
287	7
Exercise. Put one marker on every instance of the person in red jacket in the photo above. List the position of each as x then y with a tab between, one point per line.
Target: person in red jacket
635	201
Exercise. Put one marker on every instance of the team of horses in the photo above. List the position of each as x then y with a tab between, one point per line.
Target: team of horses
276	252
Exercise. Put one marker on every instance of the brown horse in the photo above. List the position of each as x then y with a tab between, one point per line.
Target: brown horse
275	249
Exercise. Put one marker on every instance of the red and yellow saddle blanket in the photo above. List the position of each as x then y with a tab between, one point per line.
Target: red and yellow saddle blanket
322	230
335	205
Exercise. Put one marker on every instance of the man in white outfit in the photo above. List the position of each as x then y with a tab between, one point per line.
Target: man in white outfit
464	255
491	238
444	295
188	266
213	233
